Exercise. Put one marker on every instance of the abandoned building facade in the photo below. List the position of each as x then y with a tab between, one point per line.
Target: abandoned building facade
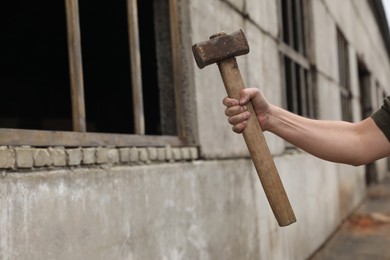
114	144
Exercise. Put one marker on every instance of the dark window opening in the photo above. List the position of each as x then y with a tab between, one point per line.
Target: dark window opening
149	67
297	72
34	72
285	21
293	24
35	67
345	92
299	93
157	68
107	72
106	66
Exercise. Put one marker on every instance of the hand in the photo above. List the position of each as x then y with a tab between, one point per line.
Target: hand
237	113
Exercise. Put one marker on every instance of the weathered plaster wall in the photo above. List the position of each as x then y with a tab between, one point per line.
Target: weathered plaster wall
173	211
189	210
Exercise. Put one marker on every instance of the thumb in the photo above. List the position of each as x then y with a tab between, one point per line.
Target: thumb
247	94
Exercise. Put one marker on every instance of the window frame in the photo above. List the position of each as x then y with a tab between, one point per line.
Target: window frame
299	55
344	77
79	136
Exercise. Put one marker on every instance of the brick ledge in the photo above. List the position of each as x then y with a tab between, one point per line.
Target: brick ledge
26	157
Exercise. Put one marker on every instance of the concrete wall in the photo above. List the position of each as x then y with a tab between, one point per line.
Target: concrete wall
190	210
204	202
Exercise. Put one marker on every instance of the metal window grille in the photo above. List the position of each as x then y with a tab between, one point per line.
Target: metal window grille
300	94
165	59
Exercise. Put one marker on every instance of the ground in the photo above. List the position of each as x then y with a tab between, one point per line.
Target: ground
366	233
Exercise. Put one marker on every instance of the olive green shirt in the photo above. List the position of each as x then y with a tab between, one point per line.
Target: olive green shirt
382	117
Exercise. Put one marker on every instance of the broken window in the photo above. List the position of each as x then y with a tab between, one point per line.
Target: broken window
297	77
101	66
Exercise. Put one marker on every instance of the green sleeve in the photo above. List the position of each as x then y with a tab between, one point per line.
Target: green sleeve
382	118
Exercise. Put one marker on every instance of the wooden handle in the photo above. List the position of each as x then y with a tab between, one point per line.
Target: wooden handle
258	149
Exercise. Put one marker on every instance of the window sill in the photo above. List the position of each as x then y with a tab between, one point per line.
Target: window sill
39	138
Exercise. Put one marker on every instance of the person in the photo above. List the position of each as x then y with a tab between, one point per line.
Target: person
336	141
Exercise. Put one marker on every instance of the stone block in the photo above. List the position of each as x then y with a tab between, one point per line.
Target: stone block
101	155
24	157
41	158
176	154
124	155
89	155
113	155
168	153
185	153
7	157
161	154
58	156
134	154
143	155
74	156
193	153
152	153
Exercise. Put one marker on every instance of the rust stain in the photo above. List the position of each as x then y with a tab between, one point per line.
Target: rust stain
378	194
367	223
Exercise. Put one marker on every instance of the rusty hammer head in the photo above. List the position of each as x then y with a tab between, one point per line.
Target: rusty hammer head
221	46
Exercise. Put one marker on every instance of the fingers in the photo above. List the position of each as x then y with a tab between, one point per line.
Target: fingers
237	119
237	114
229	102
239	127
235	110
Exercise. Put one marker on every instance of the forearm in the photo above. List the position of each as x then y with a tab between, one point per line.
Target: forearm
335	141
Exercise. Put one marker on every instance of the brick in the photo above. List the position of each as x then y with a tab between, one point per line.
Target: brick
24	157
161	154
143	155
124	155
194	153
168	153
7	157
113	155
89	155
176	154
58	156
185	153
134	154
102	155
74	156
152	153
41	158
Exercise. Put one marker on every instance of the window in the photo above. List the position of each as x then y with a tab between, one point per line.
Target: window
380	95
299	88
344	79
103	67
365	89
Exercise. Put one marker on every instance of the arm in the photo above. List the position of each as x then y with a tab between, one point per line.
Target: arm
336	141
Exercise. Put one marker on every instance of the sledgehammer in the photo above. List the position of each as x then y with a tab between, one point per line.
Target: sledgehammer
222	49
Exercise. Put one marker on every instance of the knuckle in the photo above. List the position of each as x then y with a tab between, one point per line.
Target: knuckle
225	101
237	131
227	112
